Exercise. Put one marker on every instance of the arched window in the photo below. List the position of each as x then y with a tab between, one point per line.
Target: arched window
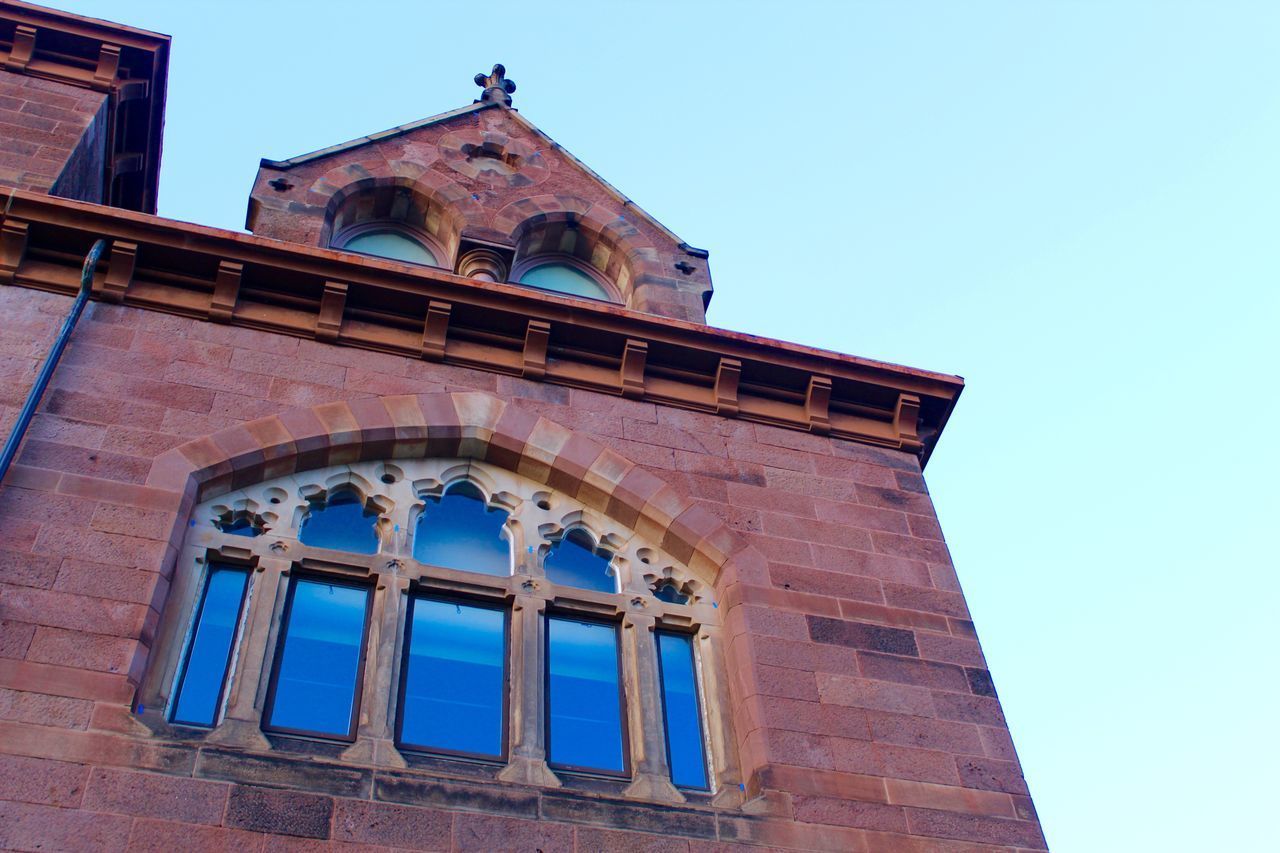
561	276
491	602
575	561
458	531
391	243
390	221
343	521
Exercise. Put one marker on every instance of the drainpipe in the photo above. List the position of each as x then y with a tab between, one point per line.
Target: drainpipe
51	360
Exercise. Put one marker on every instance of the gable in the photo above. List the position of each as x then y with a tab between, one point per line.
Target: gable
484	176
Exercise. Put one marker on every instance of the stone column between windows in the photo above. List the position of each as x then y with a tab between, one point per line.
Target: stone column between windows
527	764
651	777
242	724
716	710
375	742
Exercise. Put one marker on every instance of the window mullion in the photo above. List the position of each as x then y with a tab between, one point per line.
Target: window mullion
527	682
373	732
717	704
652	774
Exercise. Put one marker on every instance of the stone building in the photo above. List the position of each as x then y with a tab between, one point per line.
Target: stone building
432	515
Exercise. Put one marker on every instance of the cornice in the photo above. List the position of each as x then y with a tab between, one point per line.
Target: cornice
129	64
370	303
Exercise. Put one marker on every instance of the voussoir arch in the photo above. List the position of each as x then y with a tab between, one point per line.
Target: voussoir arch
456	424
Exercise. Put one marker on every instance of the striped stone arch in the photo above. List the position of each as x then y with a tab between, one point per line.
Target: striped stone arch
606	240
447	207
466	425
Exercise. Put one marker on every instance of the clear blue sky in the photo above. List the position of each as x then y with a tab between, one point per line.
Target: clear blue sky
1072	203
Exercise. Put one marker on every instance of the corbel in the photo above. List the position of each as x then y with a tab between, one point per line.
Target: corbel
726	390
906	418
126	163
120	269
817	405
226	291
24	46
435	331
108	65
131	90
332	306
535	349
13	247
634	355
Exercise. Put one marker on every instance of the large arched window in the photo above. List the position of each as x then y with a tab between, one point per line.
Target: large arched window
443	606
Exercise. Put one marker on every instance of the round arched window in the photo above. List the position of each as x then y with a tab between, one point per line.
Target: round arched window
561	277
390	243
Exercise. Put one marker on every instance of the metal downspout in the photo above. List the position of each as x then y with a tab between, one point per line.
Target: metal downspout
51	360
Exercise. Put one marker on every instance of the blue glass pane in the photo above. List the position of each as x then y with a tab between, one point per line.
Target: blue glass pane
199	692
454	678
242	526
391	244
574	561
680	710
460	532
342	523
564	278
669	593
583	702
316	685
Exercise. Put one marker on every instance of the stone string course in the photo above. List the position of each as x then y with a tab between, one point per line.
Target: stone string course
865	717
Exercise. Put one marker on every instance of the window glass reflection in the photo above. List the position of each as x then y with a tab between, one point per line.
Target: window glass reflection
575	561
454	678
681	712
459	532
316	685
563	278
670	593
584	713
343	522
241	526
391	244
200	692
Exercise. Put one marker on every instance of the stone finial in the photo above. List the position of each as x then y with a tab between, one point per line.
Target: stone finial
496	85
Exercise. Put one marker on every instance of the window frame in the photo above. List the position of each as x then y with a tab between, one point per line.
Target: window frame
698	701
576	615
526	264
339	240
282	635
402	678
181	675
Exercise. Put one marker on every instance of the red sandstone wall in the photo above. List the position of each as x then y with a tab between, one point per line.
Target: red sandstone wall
42	124
865	713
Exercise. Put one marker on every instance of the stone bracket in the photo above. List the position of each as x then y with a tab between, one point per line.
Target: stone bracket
634	355
536	336
435	330
727	376
120	269
817	405
906	419
24	46
332	306
13	247
226	290
108	66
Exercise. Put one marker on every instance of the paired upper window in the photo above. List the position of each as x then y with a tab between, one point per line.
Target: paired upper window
466	542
